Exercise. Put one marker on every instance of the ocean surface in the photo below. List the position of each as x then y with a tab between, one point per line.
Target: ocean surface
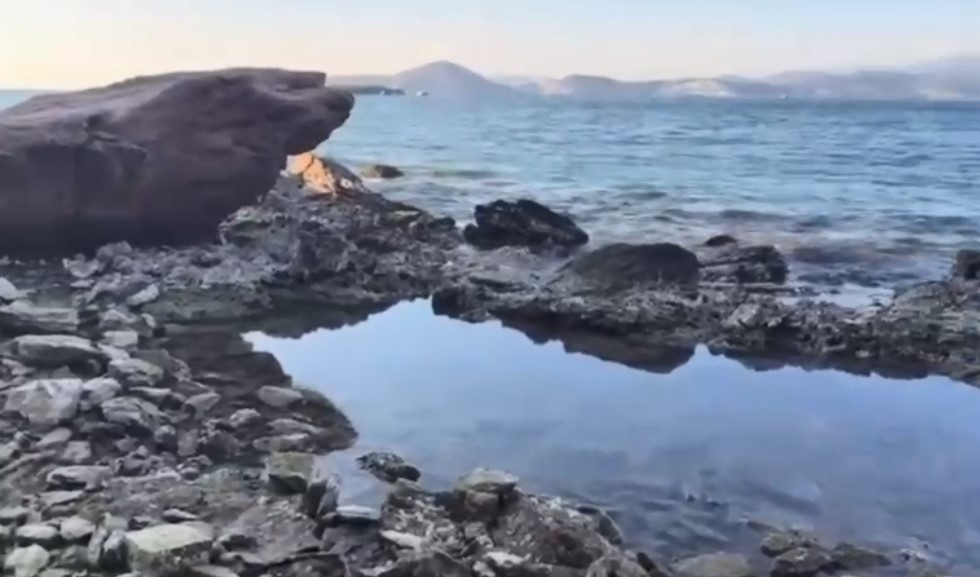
683	460
872	194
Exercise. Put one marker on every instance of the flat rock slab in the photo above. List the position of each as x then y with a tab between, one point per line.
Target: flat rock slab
53	351
46	402
165	548
24	318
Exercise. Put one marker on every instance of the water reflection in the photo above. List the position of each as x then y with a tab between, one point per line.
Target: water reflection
681	458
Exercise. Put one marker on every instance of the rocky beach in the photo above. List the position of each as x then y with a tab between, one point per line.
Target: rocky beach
148	224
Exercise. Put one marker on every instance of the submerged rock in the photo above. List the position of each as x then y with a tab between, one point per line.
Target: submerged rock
801	562
714	565
522	223
184	149
384	171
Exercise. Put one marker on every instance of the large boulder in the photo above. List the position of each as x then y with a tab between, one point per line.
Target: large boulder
522	223
628	265
154	159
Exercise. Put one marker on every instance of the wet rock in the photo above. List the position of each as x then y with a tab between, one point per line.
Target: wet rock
384	171
388	467
121	339
21	318
521	223
168	548
744	264
244	418
615	565
720	240
76	530
45	402
132	413
289	473
279	397
801	561
38	534
605	525
623	265
488	481
848	557
97	391
141	140
282	443
8	292
714	565
967	265
779	542
135	373
27	561
53	351
78	477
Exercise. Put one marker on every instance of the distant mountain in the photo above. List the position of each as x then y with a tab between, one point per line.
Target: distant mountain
437	79
952	78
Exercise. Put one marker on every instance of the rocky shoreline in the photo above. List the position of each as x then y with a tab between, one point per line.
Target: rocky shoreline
117	456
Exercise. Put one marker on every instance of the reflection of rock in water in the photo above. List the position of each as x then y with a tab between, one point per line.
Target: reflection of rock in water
662	359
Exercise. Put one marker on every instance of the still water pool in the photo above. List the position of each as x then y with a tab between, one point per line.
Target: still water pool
682	459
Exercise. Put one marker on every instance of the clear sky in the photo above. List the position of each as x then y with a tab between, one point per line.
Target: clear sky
68	43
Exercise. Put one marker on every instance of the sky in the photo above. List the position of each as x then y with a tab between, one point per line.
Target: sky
73	43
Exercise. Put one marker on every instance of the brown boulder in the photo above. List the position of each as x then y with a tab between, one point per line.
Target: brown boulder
154	159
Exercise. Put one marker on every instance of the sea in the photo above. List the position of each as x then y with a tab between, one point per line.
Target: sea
692	459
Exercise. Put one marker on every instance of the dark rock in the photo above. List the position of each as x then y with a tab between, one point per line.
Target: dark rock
848	557
381	171
720	240
801	562
628	265
779	542
155	159
967	265
21	317
522	223
289	473
744	264
78	477
388	467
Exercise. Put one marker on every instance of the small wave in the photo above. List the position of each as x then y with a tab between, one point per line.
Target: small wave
463	173
740	214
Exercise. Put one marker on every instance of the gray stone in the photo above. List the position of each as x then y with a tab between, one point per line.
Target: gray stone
388	467
97	391
779	542
75	477
288	426
144	297
244	418
714	565
165	438
282	443
402	540
801	562
76	453
187	443
135	373
14	515
76	529
119	320
8	452
354	515
53	351
45	402
133	413
52	499
289	473
56	572
54	439
166	548
178	516
322	496
211	571
8	292
156	395
37	534
615	565
488	481
27	561
121	339
203	402
279	397
94	553
850	557
21	317
114	551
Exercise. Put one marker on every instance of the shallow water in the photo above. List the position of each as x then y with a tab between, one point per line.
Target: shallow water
681	459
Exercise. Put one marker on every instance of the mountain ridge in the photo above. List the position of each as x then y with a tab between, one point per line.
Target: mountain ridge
956	77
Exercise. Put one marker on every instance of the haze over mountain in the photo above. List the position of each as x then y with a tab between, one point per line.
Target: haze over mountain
953	78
